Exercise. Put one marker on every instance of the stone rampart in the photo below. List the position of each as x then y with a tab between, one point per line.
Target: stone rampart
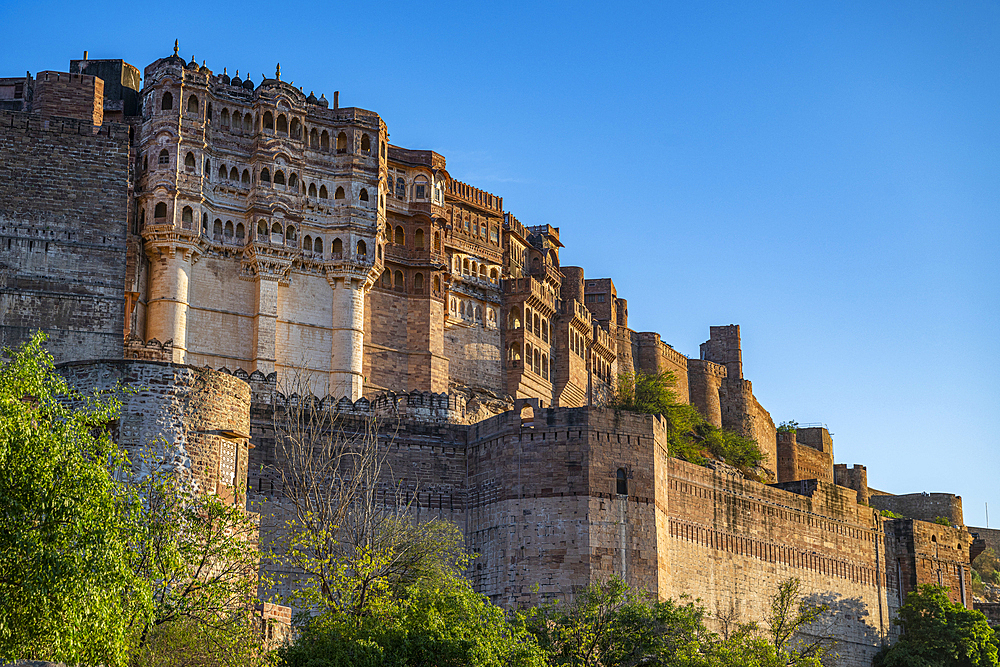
195	421
922	506
63	211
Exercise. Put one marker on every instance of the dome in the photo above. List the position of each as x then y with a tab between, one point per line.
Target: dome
323	102
193	64
312	98
204	68
248	84
224	77
237	81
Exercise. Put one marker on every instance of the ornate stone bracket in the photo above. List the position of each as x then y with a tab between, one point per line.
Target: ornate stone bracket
266	262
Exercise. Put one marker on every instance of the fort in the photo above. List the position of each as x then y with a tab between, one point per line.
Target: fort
212	241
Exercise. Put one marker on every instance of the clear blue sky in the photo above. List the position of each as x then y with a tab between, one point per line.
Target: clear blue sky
824	174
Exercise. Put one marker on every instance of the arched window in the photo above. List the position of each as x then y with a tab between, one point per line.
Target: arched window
204	223
314	138
307	243
262	230
160	211
399	285
324	140
418	283
363	196
339	194
342	143
420	187
208	168
225	118
437	241
187	217
400	188
217	230
536	362
400	237
208	113
545	330
293	182
366	144
621	482
479	313
418	239
312	190
189	161
237	121
240	232
167	101
437	283
465	267
164	157
234	175
247	123
268	121
276	235
362	248
323	194
229	230
545	367
192	104
318	246
482	271
538	329
290	235
223	174
296	129
282	125
246	177
387	279
494	275
279	177
265	176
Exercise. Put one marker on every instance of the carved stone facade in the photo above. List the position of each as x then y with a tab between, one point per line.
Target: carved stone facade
282	240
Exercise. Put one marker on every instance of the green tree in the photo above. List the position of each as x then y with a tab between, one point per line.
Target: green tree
940	633
433	621
201	558
689	435
609	623
68	586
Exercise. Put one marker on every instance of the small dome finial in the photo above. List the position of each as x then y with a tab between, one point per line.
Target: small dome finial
224	70
176	46
277	72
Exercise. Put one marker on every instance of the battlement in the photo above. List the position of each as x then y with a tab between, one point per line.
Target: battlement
512	224
33	123
474	196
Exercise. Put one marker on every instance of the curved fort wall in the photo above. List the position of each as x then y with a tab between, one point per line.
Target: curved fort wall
195	420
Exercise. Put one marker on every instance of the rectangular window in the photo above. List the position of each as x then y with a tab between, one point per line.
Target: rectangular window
421	192
600	298
589	298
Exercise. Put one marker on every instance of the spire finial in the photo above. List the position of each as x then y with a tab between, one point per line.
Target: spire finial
176	46
277	72
223	70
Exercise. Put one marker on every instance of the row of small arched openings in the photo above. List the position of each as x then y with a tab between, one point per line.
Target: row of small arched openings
472	311
398	237
280	124
395	280
536	324
535	359
279	179
474	269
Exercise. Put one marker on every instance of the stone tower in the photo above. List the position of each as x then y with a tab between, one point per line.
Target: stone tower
242	183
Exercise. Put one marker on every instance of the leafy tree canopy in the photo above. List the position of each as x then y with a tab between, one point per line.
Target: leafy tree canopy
68	590
690	435
940	633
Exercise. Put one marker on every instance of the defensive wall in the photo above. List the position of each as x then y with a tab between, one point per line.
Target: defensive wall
922	506
64	201
196	421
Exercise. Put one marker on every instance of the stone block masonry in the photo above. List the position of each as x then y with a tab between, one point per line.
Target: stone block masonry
63	211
